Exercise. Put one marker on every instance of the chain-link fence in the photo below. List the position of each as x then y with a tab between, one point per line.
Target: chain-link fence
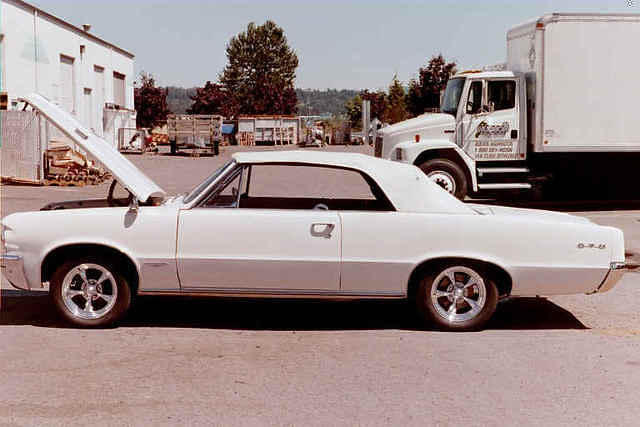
22	151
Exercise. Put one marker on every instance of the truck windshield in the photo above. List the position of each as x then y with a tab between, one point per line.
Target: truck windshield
452	96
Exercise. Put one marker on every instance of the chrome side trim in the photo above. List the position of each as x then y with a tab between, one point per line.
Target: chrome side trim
272	293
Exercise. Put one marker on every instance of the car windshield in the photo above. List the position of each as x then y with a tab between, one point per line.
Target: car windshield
204	184
452	96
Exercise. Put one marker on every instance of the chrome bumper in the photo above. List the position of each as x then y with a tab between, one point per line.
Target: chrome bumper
12	268
616	271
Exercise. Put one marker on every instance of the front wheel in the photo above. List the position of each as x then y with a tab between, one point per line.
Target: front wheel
448	175
457	297
90	292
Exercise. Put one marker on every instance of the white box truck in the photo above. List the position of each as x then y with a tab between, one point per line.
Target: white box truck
566	109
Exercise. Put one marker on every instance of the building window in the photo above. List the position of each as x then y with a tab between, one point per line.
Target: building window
119	89
67	80
88	109
99	86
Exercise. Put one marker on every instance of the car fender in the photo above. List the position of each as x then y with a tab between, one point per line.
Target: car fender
462	255
147	237
92	240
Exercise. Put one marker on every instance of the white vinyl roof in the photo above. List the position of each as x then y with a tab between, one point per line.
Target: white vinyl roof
406	186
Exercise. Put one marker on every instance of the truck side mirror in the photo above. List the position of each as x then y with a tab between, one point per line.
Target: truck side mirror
489	108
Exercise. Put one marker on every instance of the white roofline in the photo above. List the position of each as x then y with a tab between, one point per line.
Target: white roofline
406	186
69	26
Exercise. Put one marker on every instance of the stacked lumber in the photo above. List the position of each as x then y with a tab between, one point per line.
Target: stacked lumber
68	167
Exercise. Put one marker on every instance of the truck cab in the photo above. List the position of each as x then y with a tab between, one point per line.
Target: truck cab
477	142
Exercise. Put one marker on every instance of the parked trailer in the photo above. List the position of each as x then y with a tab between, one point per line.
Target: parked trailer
268	130
562	113
194	131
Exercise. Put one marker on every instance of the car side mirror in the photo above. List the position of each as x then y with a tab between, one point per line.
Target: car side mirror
133	205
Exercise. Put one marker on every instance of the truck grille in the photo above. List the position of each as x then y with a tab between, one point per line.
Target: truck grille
378	147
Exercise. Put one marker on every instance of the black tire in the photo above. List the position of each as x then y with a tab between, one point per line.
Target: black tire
428	308
121	294
451	169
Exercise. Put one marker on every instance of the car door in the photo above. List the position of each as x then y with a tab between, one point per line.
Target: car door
222	246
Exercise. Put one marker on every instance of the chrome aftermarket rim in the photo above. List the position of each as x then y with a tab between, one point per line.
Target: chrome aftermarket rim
89	291
458	294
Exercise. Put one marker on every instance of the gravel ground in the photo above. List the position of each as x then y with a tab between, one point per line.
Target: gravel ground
560	361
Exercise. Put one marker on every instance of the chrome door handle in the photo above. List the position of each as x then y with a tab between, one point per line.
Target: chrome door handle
321	229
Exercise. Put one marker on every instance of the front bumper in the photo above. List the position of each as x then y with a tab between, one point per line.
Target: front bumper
12	267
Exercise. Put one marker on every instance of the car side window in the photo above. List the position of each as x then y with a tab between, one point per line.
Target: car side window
502	94
227	194
294	186
474	100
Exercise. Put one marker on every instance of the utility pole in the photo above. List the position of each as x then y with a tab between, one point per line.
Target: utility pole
366	119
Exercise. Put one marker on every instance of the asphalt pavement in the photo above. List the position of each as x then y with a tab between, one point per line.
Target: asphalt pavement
570	360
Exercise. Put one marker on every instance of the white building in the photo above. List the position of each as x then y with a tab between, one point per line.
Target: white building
85	74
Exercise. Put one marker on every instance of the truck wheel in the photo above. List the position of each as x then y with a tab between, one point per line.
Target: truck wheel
456	297
448	175
89	292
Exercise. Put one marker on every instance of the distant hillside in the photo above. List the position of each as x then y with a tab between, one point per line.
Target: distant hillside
178	99
320	102
313	101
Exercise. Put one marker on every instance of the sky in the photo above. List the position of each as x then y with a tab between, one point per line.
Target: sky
348	44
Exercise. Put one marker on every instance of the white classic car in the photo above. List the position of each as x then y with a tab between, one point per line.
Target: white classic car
367	228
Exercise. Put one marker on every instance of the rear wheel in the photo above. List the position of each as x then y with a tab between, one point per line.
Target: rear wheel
90	292
448	175
457	297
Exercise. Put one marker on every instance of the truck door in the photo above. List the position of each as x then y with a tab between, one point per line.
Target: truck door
472	106
492	131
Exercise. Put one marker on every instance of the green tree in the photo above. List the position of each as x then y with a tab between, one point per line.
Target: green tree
378	106
211	99
150	102
353	110
261	70
424	93
396	106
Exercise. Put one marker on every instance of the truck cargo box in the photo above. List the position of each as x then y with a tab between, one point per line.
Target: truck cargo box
582	78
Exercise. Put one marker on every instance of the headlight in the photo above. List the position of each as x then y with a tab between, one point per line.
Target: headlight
399	154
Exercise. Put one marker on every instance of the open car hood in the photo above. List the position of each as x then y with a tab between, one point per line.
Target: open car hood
122	169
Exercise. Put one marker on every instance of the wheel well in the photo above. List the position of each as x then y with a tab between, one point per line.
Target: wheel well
59	255
445	153
501	278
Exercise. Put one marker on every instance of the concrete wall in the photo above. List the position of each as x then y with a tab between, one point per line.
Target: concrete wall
32	44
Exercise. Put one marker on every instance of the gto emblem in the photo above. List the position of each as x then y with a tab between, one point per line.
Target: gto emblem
591	245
